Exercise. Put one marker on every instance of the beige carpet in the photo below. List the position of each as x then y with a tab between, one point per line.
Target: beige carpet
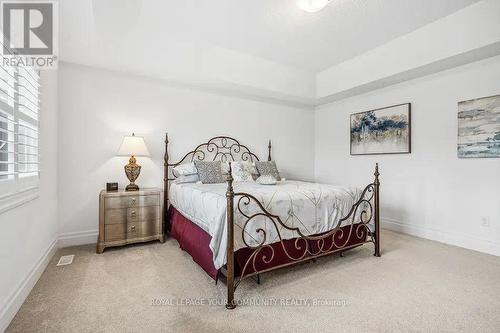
417	285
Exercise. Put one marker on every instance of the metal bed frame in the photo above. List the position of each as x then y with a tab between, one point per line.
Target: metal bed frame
227	149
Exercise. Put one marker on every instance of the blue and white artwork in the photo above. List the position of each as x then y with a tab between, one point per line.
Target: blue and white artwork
381	131
479	127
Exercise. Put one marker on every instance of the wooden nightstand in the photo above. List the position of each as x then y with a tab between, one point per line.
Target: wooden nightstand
129	217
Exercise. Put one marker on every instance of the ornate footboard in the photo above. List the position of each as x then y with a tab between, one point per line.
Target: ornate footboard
362	220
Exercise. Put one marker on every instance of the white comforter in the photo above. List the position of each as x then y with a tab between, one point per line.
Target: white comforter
313	208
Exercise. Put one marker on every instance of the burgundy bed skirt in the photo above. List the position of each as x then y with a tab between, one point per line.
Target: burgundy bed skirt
196	241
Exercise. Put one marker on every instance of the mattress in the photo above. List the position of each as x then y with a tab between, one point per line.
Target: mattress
311	207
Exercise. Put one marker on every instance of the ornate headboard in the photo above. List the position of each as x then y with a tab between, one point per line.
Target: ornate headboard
219	148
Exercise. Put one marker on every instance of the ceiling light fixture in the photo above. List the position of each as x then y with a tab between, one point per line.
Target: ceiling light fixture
312	6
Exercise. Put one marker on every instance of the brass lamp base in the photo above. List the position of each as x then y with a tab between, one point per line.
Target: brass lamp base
132	170
132	187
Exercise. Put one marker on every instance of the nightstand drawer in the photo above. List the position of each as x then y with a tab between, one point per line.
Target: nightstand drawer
115	216
132	201
142	229
115	232
142	214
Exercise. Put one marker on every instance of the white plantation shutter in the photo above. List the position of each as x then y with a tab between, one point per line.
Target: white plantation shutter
19	138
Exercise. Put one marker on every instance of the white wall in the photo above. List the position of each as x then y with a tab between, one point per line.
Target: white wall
430	192
98	107
29	232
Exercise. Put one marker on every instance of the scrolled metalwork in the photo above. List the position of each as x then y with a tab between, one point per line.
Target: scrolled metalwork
304	246
219	148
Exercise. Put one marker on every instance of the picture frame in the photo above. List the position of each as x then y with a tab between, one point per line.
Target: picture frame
478	134
381	131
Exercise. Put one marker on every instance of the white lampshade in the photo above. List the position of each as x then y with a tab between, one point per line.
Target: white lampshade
312	6
133	146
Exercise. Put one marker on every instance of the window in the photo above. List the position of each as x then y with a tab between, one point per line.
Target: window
19	138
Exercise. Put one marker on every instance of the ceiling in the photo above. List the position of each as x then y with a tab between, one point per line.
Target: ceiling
275	30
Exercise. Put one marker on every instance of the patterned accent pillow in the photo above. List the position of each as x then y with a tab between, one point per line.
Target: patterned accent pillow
268	168
210	172
242	171
266	180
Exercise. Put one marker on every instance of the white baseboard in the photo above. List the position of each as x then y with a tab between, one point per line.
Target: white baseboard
450	237
77	238
18	296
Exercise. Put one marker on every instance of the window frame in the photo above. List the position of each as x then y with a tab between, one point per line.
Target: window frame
17	189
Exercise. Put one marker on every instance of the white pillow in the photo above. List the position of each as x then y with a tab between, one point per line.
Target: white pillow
266	180
242	171
183	179
185	170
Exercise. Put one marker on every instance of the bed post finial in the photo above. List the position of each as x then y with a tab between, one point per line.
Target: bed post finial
230	240
376	186
165	160
269	149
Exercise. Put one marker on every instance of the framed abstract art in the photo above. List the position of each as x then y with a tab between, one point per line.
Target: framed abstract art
382	131
479	127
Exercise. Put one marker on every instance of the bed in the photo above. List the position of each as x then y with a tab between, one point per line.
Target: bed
238	230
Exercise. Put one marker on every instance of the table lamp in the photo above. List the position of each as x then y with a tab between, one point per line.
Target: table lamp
133	146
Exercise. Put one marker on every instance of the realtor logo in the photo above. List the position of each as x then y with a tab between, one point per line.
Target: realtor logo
29	33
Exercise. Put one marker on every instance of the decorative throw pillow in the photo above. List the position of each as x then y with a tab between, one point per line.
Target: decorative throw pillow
184	169
253	170
225	168
182	179
210	172
268	168
242	171
266	180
